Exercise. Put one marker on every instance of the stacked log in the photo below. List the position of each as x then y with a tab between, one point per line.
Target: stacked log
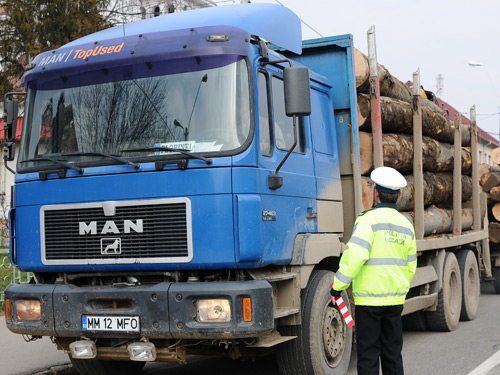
489	179
397	142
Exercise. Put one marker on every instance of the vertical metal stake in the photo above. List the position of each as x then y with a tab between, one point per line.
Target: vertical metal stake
457	178
376	113
418	169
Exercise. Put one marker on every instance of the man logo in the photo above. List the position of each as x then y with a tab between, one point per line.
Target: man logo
110	227
111	246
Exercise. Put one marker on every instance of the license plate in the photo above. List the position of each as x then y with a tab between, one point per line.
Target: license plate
111	323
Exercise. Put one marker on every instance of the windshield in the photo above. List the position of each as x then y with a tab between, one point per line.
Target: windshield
205	111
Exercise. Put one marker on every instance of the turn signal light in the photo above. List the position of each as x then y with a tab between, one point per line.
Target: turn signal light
28	309
247	309
7	309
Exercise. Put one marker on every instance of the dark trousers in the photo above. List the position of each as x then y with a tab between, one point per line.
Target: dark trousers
379	334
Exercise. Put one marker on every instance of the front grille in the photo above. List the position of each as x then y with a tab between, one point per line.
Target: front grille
135	231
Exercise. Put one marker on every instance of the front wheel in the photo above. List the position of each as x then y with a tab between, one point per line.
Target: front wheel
101	367
323	343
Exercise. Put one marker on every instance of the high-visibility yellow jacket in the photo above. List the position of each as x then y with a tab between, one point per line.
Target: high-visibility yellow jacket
381	258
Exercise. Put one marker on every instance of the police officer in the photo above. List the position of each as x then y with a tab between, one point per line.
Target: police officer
380	262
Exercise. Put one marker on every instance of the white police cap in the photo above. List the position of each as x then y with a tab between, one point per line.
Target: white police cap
388	179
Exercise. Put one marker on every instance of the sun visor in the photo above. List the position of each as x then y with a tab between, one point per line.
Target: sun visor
138	48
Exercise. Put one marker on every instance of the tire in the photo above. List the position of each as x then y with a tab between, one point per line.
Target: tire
101	367
447	314
496	283
323	343
415	322
469	272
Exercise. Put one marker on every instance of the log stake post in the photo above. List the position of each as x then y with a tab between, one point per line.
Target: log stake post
418	170
376	114
457	178
476	209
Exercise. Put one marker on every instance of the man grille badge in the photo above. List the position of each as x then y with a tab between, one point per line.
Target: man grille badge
111	246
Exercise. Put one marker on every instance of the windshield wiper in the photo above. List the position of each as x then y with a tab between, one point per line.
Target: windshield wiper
171	149
60	162
95	153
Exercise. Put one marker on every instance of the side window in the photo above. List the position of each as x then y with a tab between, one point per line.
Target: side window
321	120
283	125
266	135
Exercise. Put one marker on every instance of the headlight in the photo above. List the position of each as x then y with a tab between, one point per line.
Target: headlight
28	309
214	310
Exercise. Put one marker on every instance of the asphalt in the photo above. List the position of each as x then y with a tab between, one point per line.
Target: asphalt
39	357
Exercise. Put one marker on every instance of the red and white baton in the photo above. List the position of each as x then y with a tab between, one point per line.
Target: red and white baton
344	310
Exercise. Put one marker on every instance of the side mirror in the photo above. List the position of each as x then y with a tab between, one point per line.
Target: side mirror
297	91
10	119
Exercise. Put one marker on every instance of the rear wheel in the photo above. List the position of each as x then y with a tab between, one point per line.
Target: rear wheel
469	272
447	314
101	367
323	343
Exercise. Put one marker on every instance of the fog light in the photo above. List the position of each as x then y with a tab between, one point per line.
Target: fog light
142	351
28	309
83	349
214	310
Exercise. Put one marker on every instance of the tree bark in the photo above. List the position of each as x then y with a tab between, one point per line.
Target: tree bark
489	180
398	154
438	220
494	232
438	188
389	85
495	194
397	117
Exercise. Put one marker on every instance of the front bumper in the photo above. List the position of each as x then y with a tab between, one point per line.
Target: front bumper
166	310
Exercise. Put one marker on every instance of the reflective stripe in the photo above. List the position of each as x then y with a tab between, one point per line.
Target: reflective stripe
343	278
359	241
412	258
393	227
386	262
379	295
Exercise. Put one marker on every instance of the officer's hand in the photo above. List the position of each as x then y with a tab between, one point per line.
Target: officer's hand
332	302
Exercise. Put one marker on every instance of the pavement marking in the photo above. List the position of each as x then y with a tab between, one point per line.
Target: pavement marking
485	367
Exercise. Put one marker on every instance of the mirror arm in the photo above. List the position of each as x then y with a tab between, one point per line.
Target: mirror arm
275	181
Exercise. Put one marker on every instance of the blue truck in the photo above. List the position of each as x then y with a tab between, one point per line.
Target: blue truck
186	185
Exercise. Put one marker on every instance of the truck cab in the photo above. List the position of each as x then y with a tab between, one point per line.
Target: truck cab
183	186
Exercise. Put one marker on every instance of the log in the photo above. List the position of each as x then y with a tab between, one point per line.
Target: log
489	180
495	156
397	117
368	197
398	154
438	220
494	232
389	85
495	194
495	210
438	188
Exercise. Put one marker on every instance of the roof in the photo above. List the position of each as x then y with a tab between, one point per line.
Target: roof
265	20
452	112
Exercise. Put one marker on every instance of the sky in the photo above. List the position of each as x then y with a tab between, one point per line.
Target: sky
439	37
